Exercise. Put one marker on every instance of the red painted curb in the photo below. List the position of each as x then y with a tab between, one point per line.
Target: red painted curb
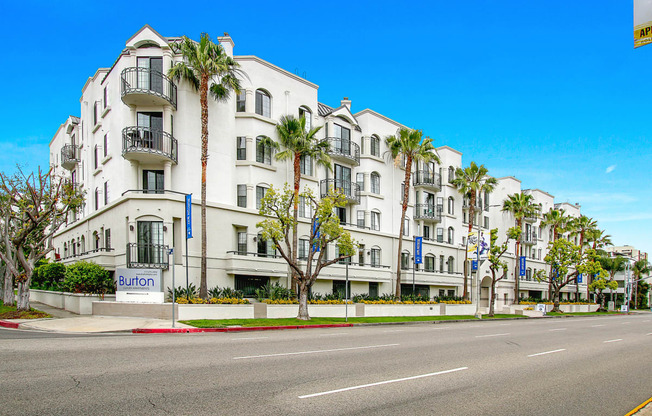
238	329
7	324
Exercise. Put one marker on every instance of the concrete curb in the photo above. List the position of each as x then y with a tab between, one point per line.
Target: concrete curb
234	329
7	324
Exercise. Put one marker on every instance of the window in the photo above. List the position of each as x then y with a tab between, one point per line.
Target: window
343	180
105	100
343	143
340	287
303	249
242	196
241	148
153	181
441	264
149	77
263	103
451	292
172	125
375	146
375	182
430	263
539	254
451	264
440	235
242	243
528	274
486	222
360	221
451	235
107	239
341	214
305	208
106	145
96	239
361	255
240	101
406	227
359	179
375	220
304	112
306	165
405	260
95	118
375	257
106	193
426	232
95	158
265	247
451	205
260	194
373	289
150	239
451	174
486	201
263	153
97	198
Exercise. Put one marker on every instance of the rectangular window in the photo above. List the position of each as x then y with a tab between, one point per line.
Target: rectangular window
440	235
375	257
242	243
153	181
441	264
241	148
95	118
303	249
263	153
240	101
373	289
106	101
260	194
375	146
305	207
359	179
426	232
341	214
106	145
172	125
106	193
95	158
340	287
360	219
361	255
486	201
375	221
97	199
406	227
306	165
486	222
107	238
242	196
150	241
451	292
405	261
375	183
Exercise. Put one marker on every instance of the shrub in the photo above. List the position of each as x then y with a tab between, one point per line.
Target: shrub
48	276
274	292
225	292
182	292
87	277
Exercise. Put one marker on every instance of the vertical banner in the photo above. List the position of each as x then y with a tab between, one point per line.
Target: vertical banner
579	278
315	231
472	245
188	216
418	250
521	266
642	22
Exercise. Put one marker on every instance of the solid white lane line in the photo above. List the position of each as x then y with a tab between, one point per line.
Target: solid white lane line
613	340
595	326
362	386
491	335
547	352
558	329
238	339
315	351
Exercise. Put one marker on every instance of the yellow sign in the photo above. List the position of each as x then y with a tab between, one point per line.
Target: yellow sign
643	34
642	22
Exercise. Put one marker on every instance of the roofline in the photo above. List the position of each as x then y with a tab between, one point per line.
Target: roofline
370	111
150	28
94	77
510	177
445	147
539	190
254	58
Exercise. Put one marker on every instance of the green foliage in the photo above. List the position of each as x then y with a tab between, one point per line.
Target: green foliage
225	292
274	292
87	277
183	292
48	276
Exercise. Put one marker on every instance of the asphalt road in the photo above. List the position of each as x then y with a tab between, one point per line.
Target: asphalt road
578	366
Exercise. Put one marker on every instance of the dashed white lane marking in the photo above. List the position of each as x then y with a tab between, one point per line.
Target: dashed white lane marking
394	330
332	335
558	329
491	335
362	386
649	333
315	351
504	324
595	326
613	340
547	352
241	338
626	323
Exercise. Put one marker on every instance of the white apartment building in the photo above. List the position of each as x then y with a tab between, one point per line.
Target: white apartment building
135	151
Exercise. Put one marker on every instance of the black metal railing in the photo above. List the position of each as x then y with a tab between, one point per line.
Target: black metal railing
69	154
83	253
528	238
343	147
428	211
147	256
147	140
424	177
254	254
351	190
531	218
148	81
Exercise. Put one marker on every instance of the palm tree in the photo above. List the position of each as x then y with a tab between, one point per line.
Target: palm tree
207	68
599	239
583	226
471	182
411	146
612	265
520	205
558	221
639	268
298	142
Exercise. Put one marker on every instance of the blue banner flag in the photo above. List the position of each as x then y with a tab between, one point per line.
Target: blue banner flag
521	266
188	216
579	278
315	231
418	246
474	265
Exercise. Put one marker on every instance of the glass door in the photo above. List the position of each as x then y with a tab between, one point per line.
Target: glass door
150	242
343	179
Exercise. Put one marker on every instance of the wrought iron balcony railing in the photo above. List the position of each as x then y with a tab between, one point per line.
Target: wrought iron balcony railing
147	256
69	156
426	178
149	141
351	190
144	81
428	212
342	148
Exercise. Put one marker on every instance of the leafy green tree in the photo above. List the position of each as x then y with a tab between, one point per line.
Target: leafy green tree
496	264
326	229
599	285
411	146
612	265
208	69
639	268
583	227
471	182
32	209
297	142
521	206
641	297
48	276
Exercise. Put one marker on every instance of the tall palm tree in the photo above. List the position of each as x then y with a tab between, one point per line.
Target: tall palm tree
599	239
208	69
471	182
520	205
639	268
583	226
298	142
411	146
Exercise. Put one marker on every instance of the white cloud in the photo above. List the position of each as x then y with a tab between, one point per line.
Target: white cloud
610	169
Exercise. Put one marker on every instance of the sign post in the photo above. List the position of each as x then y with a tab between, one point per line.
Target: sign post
171	253
188	235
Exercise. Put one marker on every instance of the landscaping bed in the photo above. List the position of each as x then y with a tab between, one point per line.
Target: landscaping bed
10	312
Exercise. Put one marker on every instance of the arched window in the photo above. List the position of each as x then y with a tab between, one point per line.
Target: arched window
73	246
96	237
375	146
263	103
405	260
451	235
451	264
375	182
375	220
65	250
451	205
83	244
305	112
375	256
451	174
528	274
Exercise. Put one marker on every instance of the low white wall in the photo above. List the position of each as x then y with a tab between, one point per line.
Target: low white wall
404	310
79	303
579	308
216	312
466	309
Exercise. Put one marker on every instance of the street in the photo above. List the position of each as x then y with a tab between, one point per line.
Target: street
598	365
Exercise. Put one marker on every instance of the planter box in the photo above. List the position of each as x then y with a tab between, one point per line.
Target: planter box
78	303
215	312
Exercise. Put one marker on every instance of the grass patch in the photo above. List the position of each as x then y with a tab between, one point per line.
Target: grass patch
222	323
10	312
582	313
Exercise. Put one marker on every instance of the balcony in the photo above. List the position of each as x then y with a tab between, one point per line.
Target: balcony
427	179
69	156
148	145
529	239
351	190
147	256
531	219
147	87
429	212
343	150
478	205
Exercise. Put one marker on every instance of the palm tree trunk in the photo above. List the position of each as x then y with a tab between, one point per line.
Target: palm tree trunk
295	231
203	97
406	193
469	268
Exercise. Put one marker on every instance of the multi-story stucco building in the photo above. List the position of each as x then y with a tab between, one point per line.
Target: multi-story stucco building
135	151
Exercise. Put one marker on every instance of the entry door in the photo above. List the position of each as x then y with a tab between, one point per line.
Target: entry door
150	242
150	76
343	179
343	145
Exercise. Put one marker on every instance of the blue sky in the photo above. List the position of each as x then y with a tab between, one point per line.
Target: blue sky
550	92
